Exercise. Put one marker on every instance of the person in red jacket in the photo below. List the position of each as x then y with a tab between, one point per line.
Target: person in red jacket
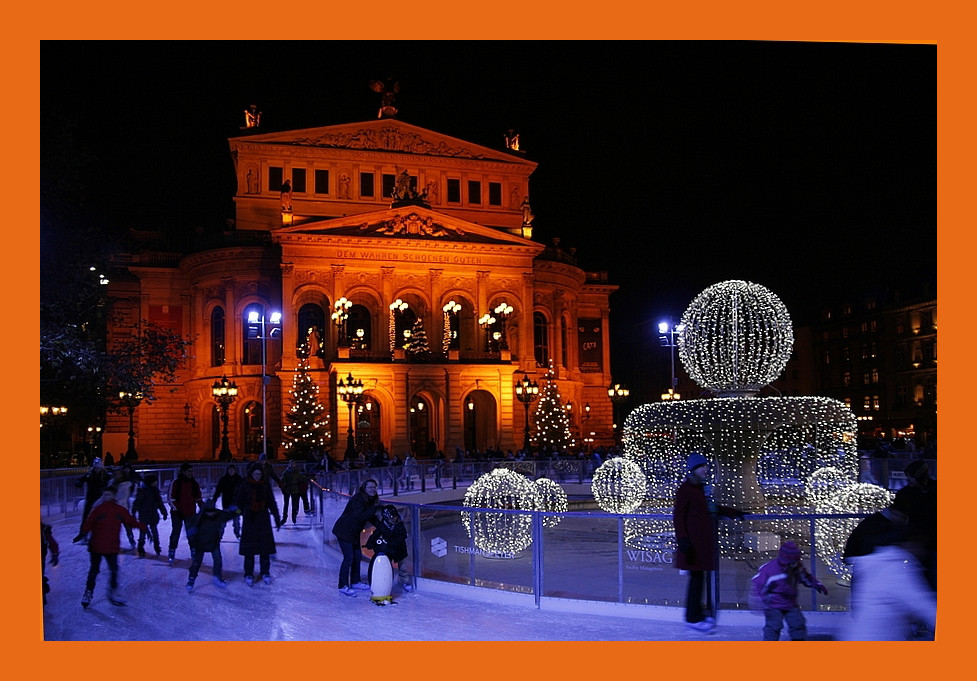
695	532
104	522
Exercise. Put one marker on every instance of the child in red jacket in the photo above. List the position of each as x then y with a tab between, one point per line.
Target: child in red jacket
104	522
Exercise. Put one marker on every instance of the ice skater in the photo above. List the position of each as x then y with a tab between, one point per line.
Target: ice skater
104	522
775	591
148	506
204	535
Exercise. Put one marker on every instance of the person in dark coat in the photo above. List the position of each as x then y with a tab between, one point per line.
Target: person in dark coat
292	480
204	535
919	499
95	480
362	508
695	532
390	539
49	545
185	498
226	487
147	507
255	499
104	522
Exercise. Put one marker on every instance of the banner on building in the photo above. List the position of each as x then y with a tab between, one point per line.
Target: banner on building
589	333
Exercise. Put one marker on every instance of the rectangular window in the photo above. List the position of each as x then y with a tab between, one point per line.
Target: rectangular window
298	180
322	182
454	191
388	182
474	192
495	193
275	179
366	184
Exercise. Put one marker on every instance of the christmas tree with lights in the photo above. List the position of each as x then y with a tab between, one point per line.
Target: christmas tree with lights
418	347
551	418
308	422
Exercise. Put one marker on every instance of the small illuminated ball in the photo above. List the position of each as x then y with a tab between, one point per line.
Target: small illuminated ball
501	532
550	497
619	485
736	338
824	483
831	534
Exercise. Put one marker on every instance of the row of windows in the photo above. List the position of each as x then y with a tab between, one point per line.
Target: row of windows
476	193
312	322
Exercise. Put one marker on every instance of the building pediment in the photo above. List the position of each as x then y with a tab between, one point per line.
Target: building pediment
384	135
405	222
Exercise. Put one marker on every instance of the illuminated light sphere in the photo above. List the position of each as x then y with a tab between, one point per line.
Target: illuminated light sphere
831	534
656	534
550	497
824	483
501	532
737	338
619	486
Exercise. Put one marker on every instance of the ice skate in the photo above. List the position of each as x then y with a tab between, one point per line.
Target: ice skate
189	585
219	582
115	598
249	580
266	579
86	600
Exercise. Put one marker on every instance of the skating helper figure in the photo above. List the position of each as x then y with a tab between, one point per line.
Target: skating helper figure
389	544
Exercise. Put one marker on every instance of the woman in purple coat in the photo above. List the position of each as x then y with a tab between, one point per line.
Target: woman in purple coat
695	532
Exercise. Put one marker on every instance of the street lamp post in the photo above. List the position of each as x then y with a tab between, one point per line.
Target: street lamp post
224	392
486	321
502	312
470	405
350	391
667	335
340	316
526	392
258	328
130	400
619	395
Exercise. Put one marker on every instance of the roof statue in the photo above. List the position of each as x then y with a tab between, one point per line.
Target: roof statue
388	93
252	117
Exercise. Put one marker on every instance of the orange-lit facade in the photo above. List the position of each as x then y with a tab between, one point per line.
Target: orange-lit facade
379	212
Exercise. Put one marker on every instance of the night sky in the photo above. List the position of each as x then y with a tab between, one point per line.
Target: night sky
809	168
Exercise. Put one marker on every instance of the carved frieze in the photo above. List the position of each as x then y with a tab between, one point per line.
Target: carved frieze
412	225
388	138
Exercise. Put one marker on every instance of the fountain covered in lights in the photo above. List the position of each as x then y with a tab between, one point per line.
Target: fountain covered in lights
782	454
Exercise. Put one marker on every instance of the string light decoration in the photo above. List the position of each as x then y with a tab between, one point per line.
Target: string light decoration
418	346
736	338
450	308
650	534
550	497
831	534
551	418
397	307
501	532
618	485
823	484
308	421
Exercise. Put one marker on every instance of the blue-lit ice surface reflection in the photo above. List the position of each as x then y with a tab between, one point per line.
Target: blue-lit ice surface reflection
303	603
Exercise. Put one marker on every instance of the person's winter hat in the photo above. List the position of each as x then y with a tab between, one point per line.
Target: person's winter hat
918	470
184	467
789	553
696	460
151	479
109	489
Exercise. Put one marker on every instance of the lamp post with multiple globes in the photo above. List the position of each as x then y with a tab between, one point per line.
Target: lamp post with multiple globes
130	400
527	392
258	328
349	391
224	392
619	395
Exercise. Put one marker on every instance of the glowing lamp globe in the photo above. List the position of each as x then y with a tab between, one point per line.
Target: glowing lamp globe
551	497
737	338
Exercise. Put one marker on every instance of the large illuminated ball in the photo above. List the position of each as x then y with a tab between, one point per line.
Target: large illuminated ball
619	486
500	532
550	497
736	338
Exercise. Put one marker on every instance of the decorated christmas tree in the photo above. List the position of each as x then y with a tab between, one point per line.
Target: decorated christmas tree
308	422
418	346
552	419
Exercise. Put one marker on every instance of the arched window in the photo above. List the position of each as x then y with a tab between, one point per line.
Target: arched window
311	316
541	340
252	428
251	351
217	334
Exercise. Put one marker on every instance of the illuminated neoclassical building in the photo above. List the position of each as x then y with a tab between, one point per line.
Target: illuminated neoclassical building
407	234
